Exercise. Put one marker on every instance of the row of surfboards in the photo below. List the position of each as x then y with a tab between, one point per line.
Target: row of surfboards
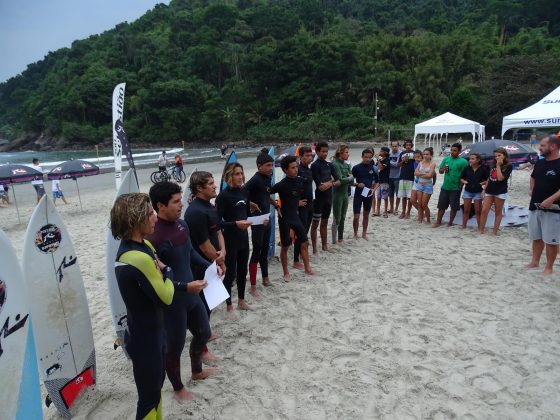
44	319
48	289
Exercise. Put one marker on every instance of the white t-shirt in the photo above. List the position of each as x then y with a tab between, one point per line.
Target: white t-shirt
55	185
162	160
38	181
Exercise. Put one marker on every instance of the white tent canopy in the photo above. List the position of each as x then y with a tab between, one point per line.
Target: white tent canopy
435	128
545	113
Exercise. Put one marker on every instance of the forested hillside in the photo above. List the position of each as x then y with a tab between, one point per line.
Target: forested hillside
201	70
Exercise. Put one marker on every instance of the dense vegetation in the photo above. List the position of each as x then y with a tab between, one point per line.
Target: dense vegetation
291	69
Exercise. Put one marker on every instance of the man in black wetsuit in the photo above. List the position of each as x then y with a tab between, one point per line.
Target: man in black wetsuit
292	196
258	188
206	235
305	212
147	287
171	240
324	177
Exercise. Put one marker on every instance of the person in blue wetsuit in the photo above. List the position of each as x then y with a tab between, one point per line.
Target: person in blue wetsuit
147	287
292	196
233	209
171	239
365	177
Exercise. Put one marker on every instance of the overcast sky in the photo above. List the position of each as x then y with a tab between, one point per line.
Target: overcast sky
29	29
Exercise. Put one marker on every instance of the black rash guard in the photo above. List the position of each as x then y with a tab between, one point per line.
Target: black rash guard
322	171
145	293
258	188
290	190
304	172
172	242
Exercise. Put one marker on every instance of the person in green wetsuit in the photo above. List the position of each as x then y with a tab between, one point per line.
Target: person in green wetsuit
343	172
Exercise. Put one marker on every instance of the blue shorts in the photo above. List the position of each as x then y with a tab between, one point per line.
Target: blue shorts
472	196
425	188
57	194
500	196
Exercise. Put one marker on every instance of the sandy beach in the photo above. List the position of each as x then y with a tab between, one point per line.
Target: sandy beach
415	323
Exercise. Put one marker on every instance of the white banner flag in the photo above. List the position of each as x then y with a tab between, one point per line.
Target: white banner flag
118	114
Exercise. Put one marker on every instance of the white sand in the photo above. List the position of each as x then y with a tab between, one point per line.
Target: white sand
414	323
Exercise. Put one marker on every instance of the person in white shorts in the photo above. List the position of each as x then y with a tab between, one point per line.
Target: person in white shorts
406	179
544	208
38	183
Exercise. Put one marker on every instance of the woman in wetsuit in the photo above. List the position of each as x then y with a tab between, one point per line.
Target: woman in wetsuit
233	209
146	286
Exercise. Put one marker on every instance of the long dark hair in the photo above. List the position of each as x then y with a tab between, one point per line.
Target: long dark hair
503	152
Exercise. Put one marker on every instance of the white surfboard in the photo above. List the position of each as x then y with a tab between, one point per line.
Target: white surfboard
187	191
59	308
118	308
19	380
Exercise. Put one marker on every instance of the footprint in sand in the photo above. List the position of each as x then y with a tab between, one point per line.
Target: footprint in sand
344	359
486	383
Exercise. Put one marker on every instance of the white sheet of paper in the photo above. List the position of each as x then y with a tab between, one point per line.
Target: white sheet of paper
215	293
258	220
365	192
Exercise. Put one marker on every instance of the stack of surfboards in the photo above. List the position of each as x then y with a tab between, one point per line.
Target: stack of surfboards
58	307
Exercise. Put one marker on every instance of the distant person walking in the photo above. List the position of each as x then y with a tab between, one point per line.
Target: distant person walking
533	141
57	191
38	183
496	190
544	208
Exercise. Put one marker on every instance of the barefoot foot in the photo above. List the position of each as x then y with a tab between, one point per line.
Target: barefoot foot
183	395
287	278
209	358
203	375
310	272
243	306
266	282
299	265
531	265
255	293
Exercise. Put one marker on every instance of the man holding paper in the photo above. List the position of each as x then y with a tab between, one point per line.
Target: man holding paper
366	183
258	188
171	239
292	196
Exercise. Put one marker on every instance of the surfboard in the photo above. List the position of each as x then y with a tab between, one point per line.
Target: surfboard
16	341
272	243
59	308
514	216
118	308
187	191
231	159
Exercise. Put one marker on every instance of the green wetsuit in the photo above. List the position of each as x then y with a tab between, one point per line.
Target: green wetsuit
340	194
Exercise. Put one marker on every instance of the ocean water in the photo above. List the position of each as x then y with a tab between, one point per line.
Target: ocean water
105	158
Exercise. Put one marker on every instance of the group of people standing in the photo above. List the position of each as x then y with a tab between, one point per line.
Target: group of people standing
162	258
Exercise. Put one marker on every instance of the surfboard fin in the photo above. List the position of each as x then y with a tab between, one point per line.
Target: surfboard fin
116	344
48	401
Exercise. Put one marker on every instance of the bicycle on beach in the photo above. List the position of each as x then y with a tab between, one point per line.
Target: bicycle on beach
169	174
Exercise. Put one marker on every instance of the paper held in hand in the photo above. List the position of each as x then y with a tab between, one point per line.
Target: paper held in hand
215	292
365	192
258	220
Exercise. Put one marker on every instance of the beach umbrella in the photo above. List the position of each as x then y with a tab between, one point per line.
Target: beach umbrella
518	153
73	169
14	174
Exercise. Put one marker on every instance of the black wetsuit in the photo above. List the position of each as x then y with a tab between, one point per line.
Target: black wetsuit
322	171
173	245
145	293
305	213
233	205
204	225
258	188
291	191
